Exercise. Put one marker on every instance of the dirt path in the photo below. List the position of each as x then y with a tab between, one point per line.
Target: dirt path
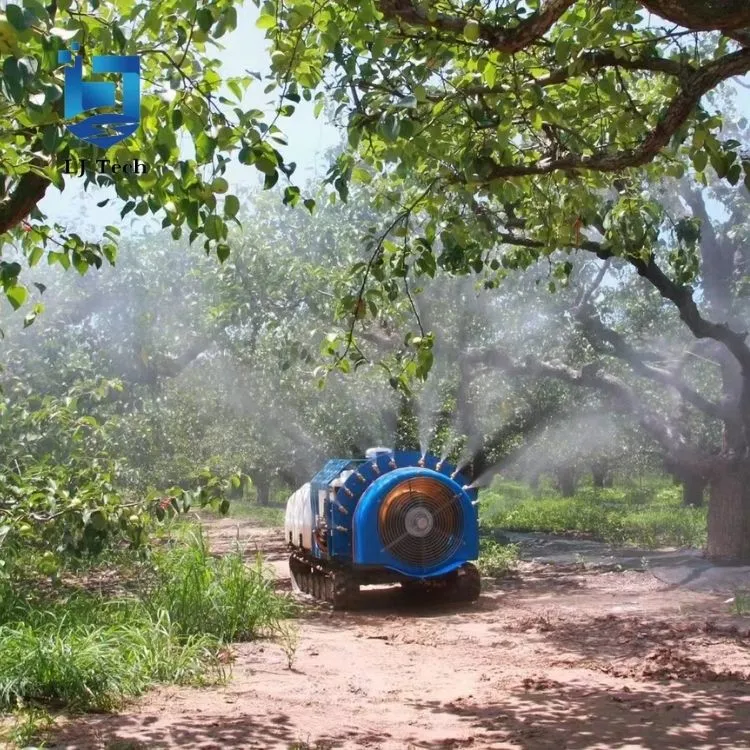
562	657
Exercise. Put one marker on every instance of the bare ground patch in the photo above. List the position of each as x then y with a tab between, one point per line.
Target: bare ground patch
556	657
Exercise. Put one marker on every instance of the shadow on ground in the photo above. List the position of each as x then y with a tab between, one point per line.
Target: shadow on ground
548	716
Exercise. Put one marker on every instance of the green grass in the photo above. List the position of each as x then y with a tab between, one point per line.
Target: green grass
81	650
270	516
220	596
649	517
741	603
496	559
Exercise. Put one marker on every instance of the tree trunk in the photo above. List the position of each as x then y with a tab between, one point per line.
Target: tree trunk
729	514
263	491
693	489
601	475
567	481
534	481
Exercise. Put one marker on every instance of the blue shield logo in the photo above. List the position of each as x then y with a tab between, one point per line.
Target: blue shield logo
103	130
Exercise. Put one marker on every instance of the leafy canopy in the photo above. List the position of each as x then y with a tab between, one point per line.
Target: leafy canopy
517	124
193	122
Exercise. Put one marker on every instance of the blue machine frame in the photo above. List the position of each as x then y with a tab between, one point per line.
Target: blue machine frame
352	515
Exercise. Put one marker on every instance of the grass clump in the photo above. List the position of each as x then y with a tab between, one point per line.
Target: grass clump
82	650
648	517
207	594
495	559
741	603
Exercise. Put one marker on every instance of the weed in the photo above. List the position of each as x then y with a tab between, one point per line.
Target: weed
496	559
288	637
652	517
220	596
741	603
84	650
31	725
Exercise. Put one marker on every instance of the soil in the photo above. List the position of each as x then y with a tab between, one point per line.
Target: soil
566	654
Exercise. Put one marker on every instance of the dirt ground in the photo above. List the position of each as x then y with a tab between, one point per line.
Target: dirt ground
563	656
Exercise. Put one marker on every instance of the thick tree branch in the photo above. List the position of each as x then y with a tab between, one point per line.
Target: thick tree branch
22	200
642	363
681	296
693	89
595	284
619	395
597	59
703	15
502	39
717	255
526	425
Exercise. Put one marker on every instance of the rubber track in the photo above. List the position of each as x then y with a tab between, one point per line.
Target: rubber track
334	586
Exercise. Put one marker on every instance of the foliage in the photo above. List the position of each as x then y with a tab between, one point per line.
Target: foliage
57	480
28	727
741	603
484	137
72	647
499	135
496	559
651	518
61	491
185	102
220	596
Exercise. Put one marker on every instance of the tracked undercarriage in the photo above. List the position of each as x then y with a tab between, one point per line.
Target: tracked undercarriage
340	586
312	577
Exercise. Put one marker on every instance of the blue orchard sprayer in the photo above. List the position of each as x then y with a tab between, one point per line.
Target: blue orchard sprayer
392	517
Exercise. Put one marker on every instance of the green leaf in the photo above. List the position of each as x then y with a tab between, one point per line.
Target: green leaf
214	227
266	22
17	295
222	252
562	51
359	174
271	180
472	30
734	174
35	256
205	19
291	196
231	206
16	17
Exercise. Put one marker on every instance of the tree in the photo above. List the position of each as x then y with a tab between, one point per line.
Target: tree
217	366
507	132
192	123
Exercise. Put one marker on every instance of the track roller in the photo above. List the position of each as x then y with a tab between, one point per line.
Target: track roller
334	586
467	584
